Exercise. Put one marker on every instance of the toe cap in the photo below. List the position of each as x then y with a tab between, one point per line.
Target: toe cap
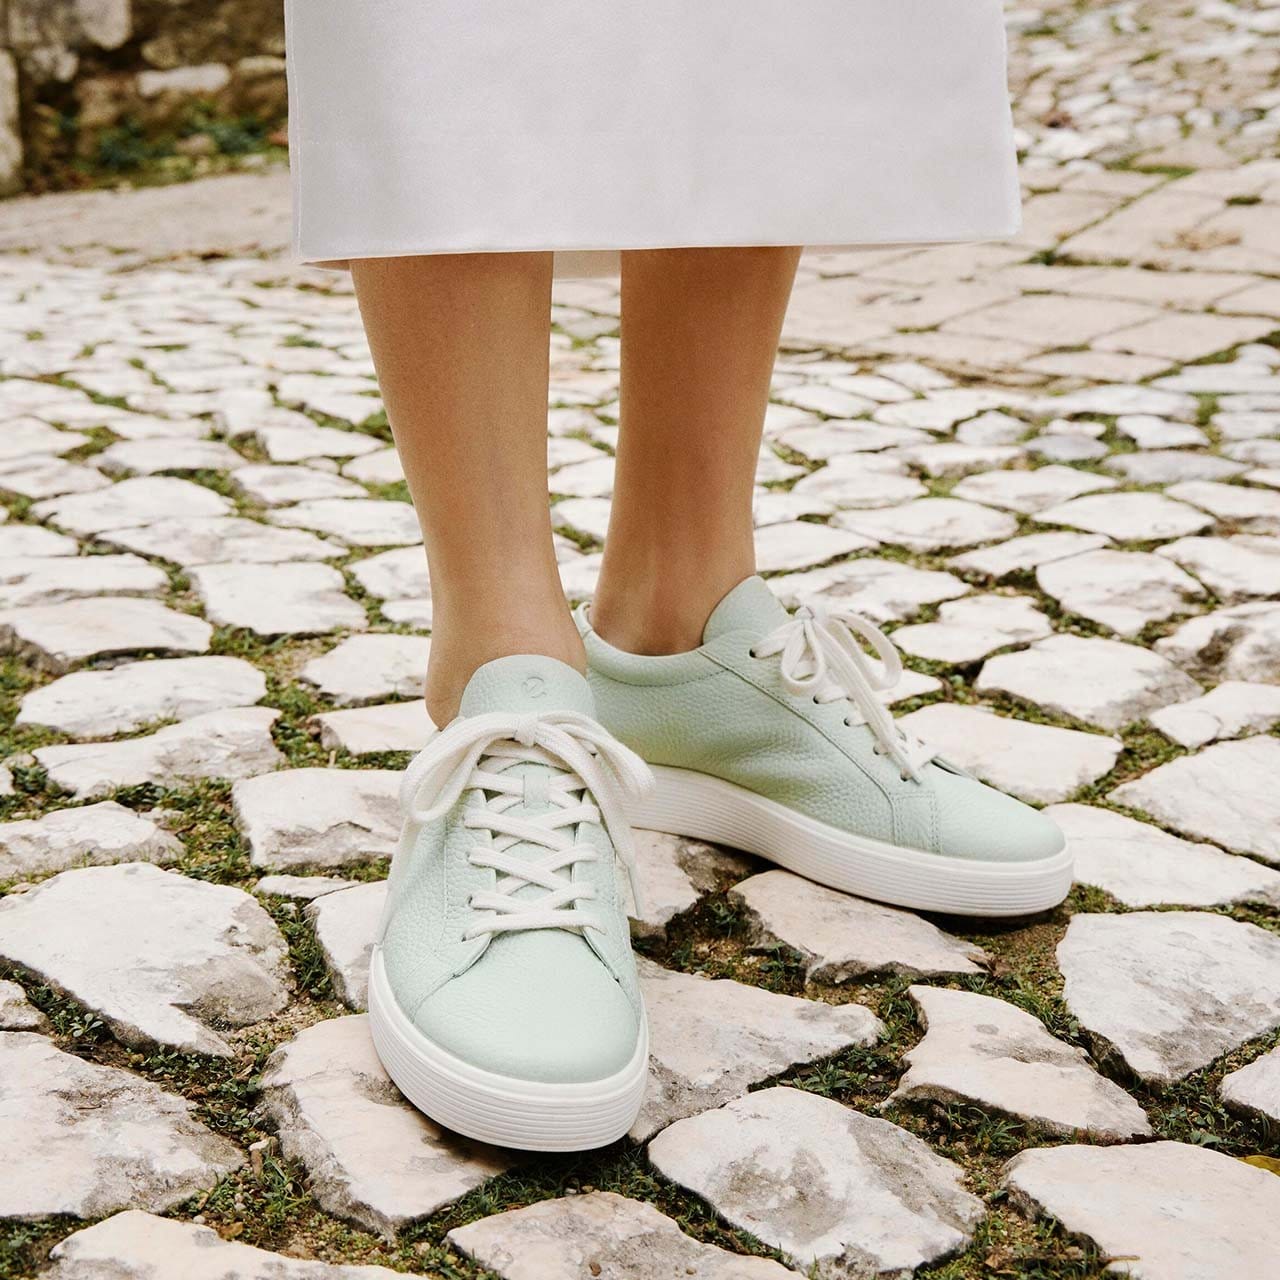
977	822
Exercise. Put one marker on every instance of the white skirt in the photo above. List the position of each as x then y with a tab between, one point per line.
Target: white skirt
590	126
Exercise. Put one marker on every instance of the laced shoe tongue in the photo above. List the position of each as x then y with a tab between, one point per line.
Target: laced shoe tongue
527	685
750	606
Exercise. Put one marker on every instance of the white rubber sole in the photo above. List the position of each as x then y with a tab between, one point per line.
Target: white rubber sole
701	807
529	1115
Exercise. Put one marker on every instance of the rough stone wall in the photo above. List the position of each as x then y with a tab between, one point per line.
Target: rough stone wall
71	70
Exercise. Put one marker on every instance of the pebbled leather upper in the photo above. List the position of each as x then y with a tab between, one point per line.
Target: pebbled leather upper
720	711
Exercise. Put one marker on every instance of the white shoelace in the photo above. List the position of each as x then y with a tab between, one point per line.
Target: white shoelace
821	656
595	773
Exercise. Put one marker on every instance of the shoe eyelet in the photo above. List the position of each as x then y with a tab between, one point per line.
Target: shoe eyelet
816	703
751	653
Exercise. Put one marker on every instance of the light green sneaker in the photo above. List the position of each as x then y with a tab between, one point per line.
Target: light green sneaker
503	997
774	737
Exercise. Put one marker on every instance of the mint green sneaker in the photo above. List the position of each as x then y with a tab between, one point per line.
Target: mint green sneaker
774	738
503	998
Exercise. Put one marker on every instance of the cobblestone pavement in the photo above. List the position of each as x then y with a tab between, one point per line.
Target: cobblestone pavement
1052	466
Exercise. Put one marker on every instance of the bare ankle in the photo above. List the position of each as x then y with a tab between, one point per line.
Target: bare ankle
659	618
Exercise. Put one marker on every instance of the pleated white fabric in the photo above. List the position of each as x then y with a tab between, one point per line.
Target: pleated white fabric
589	126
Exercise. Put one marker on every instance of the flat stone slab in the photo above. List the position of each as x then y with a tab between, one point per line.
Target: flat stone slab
1034	762
58	637
1019	555
1142	866
346	924
161	454
841	937
222	540
359	522
884	590
822	1184
36	580
1235	709
288	443
370	668
93	835
97	704
1170	990
371	1157
219	744
131	503
1101	682
971	628
395	575
1172	1211
301	888
17	1013
1168	466
24	540
138	1246
711	1040
1255	1089
278	599
797	544
1240	643
861	480
1123	590
1235	569
993	1055
1226	793
277	485
581	1237
389	726
931	524
91	1139
157	956
676	874
1128	517
1030	491
319	818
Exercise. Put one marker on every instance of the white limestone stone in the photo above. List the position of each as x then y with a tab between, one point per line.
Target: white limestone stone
1142	866
1019	555
942	410
1236	568
592	479
26	581
1128	517
92	1139
830	1188
289	443
1102	682
1123	590
1239	643
395	575
823	441
278	599
388	726
222	540
798	544
1150	432
358	522
319	818
1065	448
57	637
218	744
138	1246
157	956
841	937
588	517
931	524
1170	467
17	1013
971	628
383	467
274	485
883	590
155	456
1035	762
1169	991
131	503
301	888
1030	491
950	458
859	480
371	1157
710	1040
45	477
1226	793
1255	1089
18	541
24	437
991	428
993	1055
1254	510
95	834
346	923
368	668
676	874
1234	709
96	704
1170	1210
1118	399
599	1234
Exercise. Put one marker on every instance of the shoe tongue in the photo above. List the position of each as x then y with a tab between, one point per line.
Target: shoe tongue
527	685
750	606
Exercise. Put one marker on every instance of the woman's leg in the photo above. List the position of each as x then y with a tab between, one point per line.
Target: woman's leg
700	330
461	345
